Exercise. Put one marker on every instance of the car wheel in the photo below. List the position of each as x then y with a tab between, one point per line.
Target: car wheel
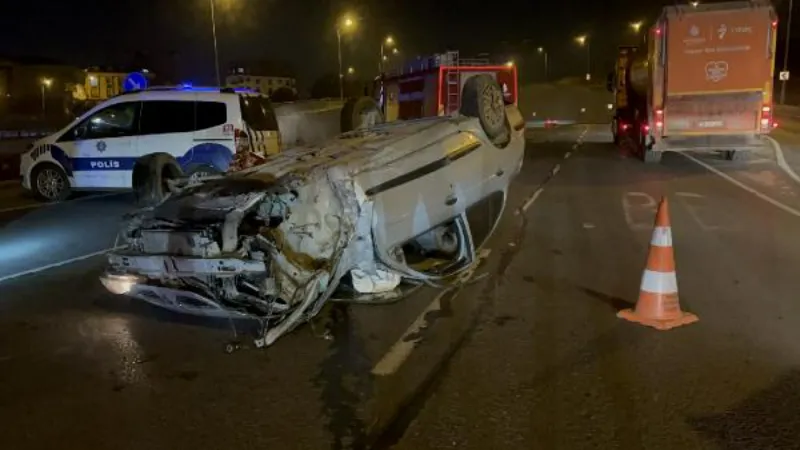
50	183
361	112
150	175
482	98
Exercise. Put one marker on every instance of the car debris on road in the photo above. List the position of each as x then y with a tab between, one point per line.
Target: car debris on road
357	216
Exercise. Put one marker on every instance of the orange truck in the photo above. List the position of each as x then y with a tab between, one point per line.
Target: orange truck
704	82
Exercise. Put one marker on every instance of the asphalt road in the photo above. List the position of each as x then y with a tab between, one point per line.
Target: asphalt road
550	366
530	355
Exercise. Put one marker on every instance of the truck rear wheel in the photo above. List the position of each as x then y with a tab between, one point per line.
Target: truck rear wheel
651	157
736	155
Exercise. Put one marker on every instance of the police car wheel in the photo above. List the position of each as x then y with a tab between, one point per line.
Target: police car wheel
50	183
482	98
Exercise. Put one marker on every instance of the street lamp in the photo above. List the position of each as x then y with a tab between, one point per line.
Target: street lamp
386	43
214	33
351	70
543	52
636	26
694	4
583	40
46	83
510	64
345	24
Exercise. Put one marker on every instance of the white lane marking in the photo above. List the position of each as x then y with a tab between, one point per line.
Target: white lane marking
588	226
747	188
575	146
695	209
40	205
56	264
530	201
628	207
401	350
567	155
782	160
556	169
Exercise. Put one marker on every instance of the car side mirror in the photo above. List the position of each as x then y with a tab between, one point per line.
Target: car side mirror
610	82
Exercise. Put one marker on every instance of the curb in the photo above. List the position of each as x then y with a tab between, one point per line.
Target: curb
781	159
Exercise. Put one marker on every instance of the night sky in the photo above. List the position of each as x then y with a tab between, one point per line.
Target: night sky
176	35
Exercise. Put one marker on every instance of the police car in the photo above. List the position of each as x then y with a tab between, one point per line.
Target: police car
201	128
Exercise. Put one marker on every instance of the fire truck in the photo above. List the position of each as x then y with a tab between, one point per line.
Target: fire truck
432	86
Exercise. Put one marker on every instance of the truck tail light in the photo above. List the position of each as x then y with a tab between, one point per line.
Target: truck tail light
766	118
660	119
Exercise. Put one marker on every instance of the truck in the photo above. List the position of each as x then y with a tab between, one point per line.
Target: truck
703	81
431	86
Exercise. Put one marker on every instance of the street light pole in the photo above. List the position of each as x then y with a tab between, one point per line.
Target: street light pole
588	58
44	105
214	33
786	51
341	75
546	69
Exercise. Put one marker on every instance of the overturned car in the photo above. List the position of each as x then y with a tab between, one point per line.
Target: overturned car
356	218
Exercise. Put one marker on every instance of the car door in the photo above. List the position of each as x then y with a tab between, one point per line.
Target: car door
102	149
167	126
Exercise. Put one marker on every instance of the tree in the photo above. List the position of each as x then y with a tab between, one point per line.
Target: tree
283	94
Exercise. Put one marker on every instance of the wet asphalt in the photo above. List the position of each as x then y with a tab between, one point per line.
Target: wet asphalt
529	355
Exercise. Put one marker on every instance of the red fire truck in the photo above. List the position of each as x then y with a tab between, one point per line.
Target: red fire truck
432	86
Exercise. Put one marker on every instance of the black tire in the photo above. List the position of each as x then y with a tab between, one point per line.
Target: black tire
150	175
50	183
360	112
736	155
651	157
482	98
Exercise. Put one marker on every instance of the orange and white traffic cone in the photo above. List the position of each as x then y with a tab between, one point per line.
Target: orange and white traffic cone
658	304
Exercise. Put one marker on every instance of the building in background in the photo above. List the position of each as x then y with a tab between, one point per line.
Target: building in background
35	89
102	83
265	77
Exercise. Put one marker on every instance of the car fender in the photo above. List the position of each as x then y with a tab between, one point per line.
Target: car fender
45	152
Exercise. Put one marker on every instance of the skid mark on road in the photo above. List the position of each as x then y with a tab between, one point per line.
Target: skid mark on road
741	185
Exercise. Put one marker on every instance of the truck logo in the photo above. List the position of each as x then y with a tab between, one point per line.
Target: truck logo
722	30
694	31
716	70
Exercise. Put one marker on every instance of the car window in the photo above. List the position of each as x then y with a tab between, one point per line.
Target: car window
257	113
164	116
117	120
210	114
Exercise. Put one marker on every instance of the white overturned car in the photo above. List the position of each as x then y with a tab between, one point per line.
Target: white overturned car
407	201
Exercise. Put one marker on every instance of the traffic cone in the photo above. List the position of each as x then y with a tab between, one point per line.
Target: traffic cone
658	304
